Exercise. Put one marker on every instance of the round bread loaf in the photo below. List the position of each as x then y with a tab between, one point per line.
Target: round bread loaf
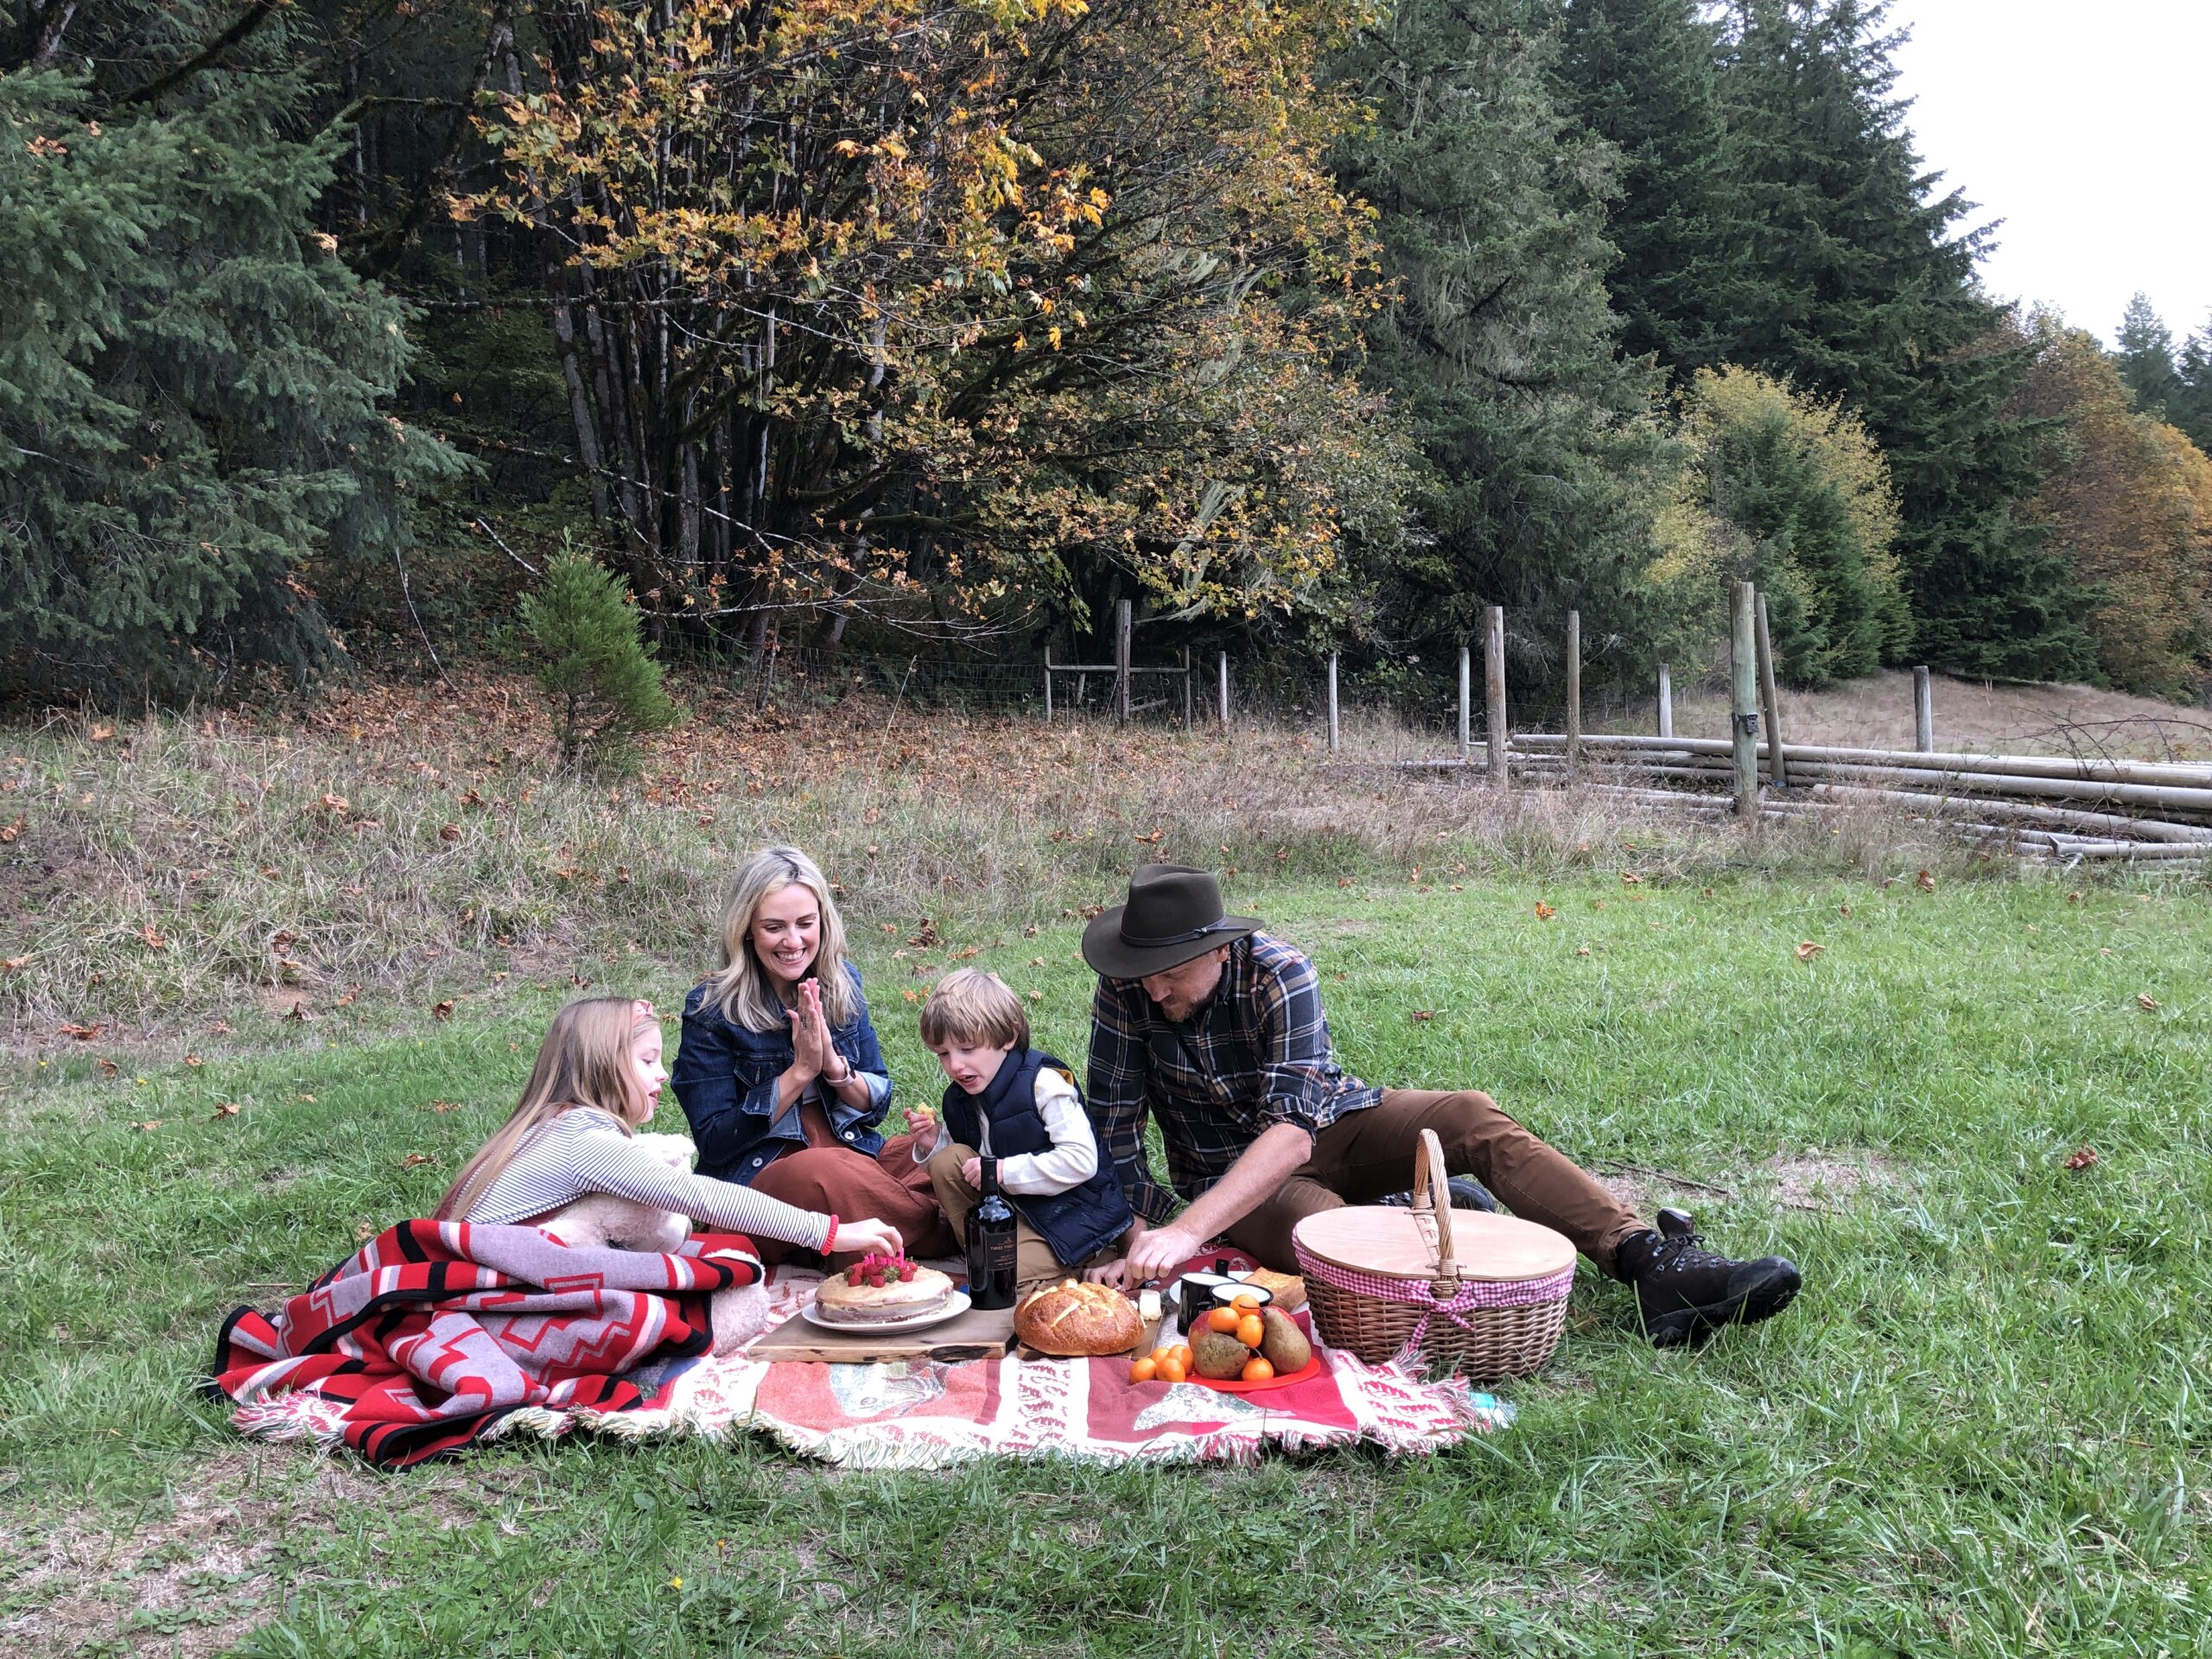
1074	1319
844	1300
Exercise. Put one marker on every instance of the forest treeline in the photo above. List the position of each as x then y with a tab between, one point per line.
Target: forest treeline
329	325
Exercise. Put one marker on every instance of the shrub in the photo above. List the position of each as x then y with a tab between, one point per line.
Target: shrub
594	664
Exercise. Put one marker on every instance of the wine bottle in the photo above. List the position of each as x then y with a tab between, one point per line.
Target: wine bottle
991	1244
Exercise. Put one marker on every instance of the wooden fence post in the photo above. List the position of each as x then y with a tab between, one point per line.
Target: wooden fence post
1466	702
1123	625
1923	712
1225	688
1494	677
1743	704
1666	703
1574	692
1332	703
1777	768
1048	685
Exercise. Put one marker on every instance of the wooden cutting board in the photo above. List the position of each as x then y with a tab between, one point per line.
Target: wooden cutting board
976	1334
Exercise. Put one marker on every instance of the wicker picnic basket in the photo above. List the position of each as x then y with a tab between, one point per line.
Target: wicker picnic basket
1480	1295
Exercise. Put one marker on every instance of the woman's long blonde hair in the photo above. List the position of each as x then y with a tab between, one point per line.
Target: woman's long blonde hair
584	1061
741	990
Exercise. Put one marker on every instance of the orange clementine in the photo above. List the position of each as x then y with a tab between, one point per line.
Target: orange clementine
1143	1371
1258	1370
1246	1304
1251	1330
1170	1369
1185	1358
1223	1319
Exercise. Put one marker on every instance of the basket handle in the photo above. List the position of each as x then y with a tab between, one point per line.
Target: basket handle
1433	1198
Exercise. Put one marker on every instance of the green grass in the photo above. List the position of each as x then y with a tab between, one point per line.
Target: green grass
1982	1429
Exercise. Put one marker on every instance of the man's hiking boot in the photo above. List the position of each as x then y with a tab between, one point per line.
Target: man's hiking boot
1684	1293
1467	1194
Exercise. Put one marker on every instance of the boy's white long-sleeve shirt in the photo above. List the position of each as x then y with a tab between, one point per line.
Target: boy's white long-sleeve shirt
1070	1160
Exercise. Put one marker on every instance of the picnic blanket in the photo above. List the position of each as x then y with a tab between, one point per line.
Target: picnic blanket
433	1332
928	1414
438	1335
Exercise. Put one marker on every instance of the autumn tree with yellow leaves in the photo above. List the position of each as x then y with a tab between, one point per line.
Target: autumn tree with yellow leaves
2128	500
924	311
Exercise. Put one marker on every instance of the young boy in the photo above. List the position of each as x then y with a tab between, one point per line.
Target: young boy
1008	1101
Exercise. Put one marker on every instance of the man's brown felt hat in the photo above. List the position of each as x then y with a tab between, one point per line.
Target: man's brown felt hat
1172	914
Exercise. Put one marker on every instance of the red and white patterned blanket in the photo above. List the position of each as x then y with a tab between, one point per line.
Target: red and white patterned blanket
434	1332
925	1414
411	1349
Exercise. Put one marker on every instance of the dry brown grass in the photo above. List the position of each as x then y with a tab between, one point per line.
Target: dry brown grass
1971	715
408	844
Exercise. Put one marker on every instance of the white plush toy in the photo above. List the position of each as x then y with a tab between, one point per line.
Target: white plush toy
600	1221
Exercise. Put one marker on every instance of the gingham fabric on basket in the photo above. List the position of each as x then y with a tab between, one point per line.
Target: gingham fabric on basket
1474	1294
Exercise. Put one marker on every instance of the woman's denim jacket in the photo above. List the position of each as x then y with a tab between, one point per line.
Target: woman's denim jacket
725	1076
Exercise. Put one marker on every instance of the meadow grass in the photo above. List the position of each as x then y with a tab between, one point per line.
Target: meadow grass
1982	1429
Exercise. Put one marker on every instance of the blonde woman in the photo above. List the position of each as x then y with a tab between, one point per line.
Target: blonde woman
778	1069
597	1081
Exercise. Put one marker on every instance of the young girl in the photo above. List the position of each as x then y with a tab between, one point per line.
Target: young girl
779	1072
597	1080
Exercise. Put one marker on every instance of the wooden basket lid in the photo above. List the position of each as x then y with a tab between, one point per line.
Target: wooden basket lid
1401	1244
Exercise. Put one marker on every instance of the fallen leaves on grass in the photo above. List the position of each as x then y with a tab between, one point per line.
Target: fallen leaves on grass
108	1068
297	1012
1424	1016
1925	881
1808	950
16	964
2080	1158
1630	878
1584	951
226	1108
2073	897
1544	912
2147	1002
83	1033
10	831
441	1010
416	1159
221	1028
193	1059
442	1106
449	832
148	1126
1843	910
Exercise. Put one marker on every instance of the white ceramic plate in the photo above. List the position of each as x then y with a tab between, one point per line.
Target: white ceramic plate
952	1310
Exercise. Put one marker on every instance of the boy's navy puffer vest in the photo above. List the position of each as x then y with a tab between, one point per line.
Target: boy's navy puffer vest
1078	1223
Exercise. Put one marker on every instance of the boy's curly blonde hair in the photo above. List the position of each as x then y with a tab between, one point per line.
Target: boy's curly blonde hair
971	1007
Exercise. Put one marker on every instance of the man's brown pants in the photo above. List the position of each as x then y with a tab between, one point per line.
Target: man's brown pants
1366	1155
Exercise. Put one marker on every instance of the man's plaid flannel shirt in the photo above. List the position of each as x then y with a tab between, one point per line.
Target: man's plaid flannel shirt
1256	1054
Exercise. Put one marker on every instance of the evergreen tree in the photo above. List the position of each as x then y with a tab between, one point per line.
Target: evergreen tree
1533	431
2146	358
2191	409
1644	76
593	661
1866	293
1824	256
190	379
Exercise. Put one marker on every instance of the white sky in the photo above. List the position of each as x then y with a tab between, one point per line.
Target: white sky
2081	125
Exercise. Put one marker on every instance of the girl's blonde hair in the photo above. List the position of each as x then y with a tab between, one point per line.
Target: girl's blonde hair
741	990
970	1006
584	1061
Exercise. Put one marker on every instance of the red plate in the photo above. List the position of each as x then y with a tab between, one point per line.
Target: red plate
1311	1368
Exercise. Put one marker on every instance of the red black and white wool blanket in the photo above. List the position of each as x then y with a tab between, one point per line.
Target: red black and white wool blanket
421	1342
